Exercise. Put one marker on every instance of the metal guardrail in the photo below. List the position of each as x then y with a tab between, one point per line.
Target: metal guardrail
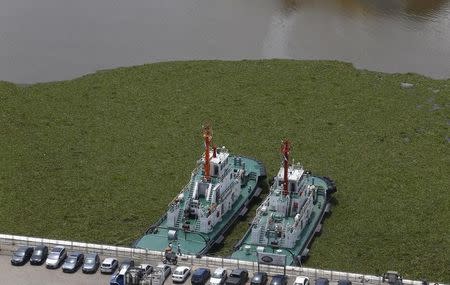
8	243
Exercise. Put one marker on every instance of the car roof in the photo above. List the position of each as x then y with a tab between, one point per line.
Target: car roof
91	255
219	270
75	254
300	279
200	270
109	260
181	268
321	280
58	248
237	271
41	247
257	276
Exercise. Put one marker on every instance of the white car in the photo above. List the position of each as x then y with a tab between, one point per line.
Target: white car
165	269
301	280
109	265
56	257
219	276
181	273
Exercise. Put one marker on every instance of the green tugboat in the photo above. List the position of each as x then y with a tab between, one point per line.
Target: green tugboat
219	191
290	216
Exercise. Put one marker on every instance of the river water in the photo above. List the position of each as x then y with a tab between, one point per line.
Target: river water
46	40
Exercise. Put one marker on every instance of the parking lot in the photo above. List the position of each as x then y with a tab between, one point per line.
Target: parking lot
38	275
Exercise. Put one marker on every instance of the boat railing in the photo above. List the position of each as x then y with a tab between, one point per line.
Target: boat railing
263	204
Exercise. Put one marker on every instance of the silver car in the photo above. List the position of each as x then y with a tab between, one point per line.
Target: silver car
91	263
73	262
109	265
218	277
56	257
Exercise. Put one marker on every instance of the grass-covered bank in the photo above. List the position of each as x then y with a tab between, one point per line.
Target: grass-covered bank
98	158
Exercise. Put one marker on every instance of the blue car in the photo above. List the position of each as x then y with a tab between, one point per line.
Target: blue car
200	276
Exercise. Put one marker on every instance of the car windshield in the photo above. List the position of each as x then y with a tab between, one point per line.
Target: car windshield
106	264
19	253
178	272
71	260
38	252
217	275
54	255
89	261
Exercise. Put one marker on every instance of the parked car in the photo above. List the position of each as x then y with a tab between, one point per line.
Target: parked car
219	276
237	277
126	263
392	278
39	256
259	278
181	273
91	263
21	255
109	265
322	281
344	282
279	280
146	269
56	257
73	262
302	280
200	276
166	270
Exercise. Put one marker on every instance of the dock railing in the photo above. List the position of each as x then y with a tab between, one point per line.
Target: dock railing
8	243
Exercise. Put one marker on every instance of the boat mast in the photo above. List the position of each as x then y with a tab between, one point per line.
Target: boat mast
207	136
285	149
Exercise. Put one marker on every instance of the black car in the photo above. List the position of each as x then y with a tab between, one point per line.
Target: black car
259	278
39	256
73	262
322	281
21	255
279	280
200	276
237	277
91	263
